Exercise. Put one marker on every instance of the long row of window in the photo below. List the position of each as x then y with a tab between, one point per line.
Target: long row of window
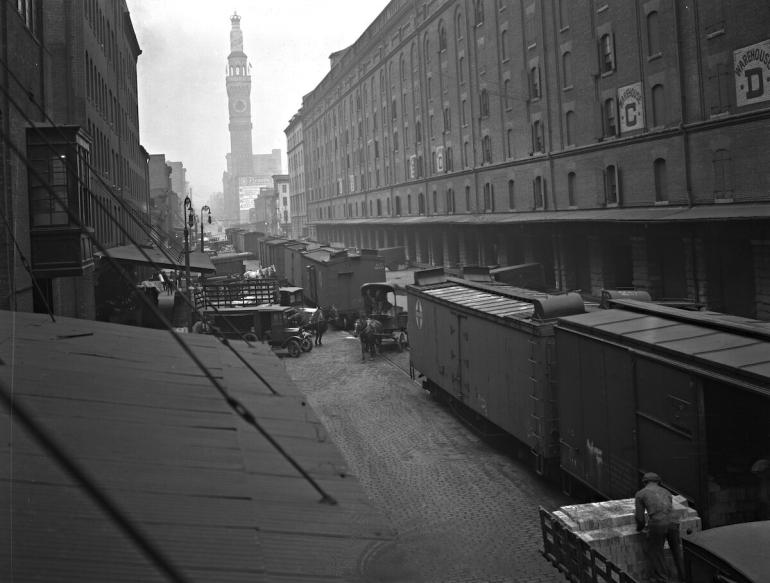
611	194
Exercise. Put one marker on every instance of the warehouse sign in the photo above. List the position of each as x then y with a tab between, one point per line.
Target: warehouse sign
752	74
631	108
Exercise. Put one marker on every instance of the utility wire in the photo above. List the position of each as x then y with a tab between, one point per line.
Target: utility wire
234	403
139	538
132	212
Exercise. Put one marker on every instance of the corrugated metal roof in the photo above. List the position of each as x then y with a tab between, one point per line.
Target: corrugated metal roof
204	486
482	301
737	346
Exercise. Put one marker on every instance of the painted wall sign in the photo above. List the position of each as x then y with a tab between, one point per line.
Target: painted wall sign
752	74
631	108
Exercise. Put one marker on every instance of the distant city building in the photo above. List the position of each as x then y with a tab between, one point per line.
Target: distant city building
165	202
296	159
283	203
618	144
181	187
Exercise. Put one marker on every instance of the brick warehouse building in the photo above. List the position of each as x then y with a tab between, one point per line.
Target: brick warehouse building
618	143
73	64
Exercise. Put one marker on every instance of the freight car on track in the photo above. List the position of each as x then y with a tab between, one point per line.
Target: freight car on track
491	347
604	394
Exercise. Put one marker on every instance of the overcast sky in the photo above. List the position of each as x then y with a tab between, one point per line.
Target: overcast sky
182	97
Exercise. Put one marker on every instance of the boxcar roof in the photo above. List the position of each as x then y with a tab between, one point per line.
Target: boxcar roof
715	343
483	301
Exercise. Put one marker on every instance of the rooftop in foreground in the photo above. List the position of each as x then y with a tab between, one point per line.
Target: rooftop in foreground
151	430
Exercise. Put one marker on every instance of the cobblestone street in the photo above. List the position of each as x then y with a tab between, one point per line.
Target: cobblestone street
464	512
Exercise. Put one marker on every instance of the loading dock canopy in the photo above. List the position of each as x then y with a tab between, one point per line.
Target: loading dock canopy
727	348
154	257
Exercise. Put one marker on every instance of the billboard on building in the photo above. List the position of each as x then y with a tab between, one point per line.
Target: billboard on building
752	74
631	107
248	190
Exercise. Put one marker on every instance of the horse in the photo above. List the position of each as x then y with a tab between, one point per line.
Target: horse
319	321
367	329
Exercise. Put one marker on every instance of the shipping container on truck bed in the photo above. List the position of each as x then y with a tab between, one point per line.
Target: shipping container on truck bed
490	347
644	387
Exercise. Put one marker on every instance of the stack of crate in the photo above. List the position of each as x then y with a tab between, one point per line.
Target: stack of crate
610	528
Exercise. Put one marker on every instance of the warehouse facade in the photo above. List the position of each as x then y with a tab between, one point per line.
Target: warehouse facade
619	143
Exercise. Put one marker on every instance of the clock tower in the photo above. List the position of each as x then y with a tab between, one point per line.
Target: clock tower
241	159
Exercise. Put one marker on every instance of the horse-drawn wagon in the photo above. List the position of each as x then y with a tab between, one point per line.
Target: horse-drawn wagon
381	303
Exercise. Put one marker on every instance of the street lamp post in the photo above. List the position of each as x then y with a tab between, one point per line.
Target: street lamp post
189	221
204	209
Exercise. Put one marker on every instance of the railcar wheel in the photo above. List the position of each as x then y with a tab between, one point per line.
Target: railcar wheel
294	348
249	337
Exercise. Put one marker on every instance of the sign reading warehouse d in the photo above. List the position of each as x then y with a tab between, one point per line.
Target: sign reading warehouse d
752	74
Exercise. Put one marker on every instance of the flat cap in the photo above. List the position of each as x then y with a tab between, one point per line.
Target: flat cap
650	477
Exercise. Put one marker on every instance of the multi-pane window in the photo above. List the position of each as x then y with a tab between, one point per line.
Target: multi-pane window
420	203
607	53
489	197
449	162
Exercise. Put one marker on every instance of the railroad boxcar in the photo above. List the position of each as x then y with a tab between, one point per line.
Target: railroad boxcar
490	347
644	387
335	276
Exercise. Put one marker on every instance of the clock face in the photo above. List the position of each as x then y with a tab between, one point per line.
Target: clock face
239	106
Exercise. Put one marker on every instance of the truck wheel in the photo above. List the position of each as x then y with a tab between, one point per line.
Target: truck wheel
306	345
294	348
249	337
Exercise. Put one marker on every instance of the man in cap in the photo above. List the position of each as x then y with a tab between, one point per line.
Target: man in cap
654	512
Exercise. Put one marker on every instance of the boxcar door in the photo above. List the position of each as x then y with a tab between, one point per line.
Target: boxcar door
458	354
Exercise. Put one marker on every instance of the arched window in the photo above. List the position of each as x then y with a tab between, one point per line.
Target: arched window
379	207
570	128
484	101
450	201
538	141
441	37
418	131
653	34
468	198
402	68
466	158
511	194
504	45
426	49
507	94
537	193
421	203
534	82
489	197
409	204
435	202
509	143
661	180
460	25
486	147
611	187
723	174
479	12
398	206
658	106
566	69
610	125
571	189
461	70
